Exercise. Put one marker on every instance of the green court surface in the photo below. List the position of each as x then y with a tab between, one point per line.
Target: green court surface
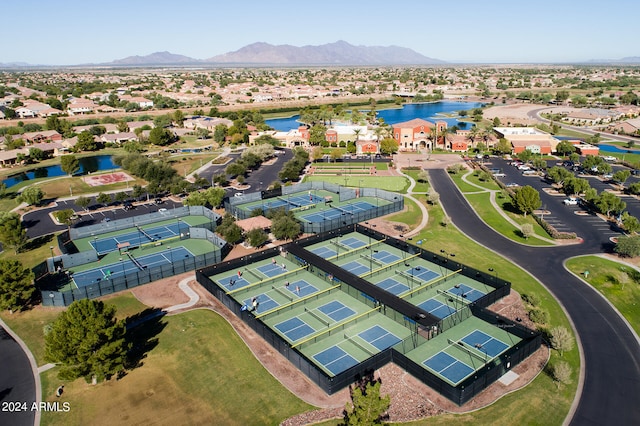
312	313
472	343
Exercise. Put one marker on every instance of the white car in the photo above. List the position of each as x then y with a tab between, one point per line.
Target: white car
571	201
162	210
238	194
524	167
609	158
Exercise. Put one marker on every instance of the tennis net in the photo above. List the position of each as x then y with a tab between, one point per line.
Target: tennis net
135	261
318	317
358	344
372	259
282	293
415	280
143	232
461	345
254	274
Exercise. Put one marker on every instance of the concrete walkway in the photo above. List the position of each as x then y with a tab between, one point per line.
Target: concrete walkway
423	208
497	208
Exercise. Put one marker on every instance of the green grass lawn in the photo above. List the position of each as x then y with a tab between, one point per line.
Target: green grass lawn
200	372
411	216
482	205
616	281
421	187
389	183
462	185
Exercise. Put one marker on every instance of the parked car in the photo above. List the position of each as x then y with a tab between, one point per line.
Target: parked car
511	185
238	194
571	201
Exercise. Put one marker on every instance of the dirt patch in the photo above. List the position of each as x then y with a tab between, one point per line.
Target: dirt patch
163	293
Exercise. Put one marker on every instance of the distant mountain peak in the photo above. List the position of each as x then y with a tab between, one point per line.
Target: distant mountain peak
337	53
156	58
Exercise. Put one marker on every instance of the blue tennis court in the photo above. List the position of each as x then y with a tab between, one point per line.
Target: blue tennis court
273	203
301	200
437	308
385	257
485	343
465	291
301	288
138	237
448	366
232	282
294	329
324	251
265	303
272	269
422	273
355	267
355	207
353	243
392	286
322	216
336	311
379	337
127	266
335	359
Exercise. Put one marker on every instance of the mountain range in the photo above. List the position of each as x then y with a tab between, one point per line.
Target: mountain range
337	54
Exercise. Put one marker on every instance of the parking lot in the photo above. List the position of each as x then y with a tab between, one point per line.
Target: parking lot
564	218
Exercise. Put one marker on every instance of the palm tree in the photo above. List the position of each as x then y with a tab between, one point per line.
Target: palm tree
379	131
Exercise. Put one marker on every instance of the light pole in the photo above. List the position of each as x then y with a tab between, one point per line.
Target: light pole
496	274
179	232
171	257
71	190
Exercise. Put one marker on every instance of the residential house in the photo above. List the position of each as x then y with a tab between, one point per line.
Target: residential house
33	109
81	106
41	136
142	102
121	137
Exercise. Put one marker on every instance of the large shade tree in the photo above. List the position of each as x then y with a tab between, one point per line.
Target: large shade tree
87	341
16	285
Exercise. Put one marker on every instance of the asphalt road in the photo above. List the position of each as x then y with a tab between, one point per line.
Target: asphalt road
611	350
17	384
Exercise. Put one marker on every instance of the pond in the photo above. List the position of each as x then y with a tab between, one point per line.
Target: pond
87	165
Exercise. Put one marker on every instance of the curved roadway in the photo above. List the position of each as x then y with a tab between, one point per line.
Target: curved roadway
610	349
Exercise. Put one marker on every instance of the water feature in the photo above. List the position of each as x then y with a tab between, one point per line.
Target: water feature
427	111
87	165
613	148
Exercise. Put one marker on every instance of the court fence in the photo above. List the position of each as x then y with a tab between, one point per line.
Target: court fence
145	219
50	284
393	203
422	325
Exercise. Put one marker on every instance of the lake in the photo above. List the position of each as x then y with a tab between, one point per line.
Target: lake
87	165
427	111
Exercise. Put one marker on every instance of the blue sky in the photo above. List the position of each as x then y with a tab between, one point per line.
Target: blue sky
67	32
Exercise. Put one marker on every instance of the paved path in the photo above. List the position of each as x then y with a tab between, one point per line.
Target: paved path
610	350
497	208
423	208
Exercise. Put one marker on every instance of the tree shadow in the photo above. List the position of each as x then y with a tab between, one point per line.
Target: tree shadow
509	207
142	333
38	242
